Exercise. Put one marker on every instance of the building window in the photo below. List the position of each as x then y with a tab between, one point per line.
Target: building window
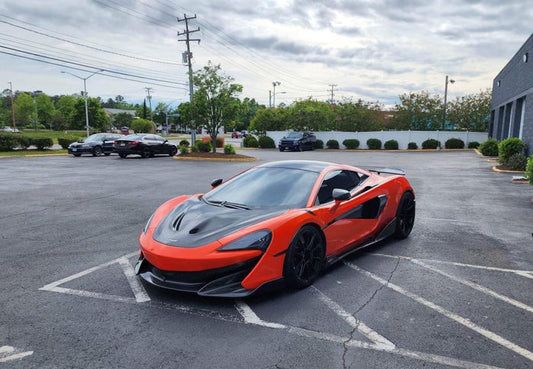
525	57
498	83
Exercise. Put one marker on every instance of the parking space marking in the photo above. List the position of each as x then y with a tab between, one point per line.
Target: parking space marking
135	284
523	273
9	353
459	319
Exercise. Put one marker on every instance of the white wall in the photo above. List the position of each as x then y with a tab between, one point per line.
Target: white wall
403	137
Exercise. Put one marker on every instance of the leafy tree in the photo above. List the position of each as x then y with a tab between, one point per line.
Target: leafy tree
471	112
141	126
215	99
122	120
67	106
311	115
418	111
24	109
268	119
247	111
97	117
160	113
186	116
358	116
59	122
45	110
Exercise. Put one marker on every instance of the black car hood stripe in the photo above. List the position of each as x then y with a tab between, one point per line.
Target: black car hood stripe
194	223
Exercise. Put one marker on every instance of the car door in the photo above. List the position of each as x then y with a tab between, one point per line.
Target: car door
349	222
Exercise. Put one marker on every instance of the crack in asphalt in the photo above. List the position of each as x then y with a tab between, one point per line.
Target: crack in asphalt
345	343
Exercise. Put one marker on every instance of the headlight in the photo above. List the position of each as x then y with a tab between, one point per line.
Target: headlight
148	223
254	241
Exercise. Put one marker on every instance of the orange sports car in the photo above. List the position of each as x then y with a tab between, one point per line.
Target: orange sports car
278	222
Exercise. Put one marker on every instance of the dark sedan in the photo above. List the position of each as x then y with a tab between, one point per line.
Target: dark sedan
96	145
144	144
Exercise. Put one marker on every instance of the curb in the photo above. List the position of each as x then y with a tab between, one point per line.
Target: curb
507	171
214	159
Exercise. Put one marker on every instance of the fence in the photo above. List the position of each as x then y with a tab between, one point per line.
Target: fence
403	137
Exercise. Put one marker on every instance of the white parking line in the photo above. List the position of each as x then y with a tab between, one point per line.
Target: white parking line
135	285
459	319
9	353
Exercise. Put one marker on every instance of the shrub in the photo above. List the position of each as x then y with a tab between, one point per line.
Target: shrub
319	144
219	142
6	142
351	144
489	147
65	141
373	144
529	170
184	149
250	141
430	144
473	145
517	161
266	142
229	150
141	126
194	148
184	143
412	146
332	144
22	141
454	143
204	146
508	148
391	145
41	143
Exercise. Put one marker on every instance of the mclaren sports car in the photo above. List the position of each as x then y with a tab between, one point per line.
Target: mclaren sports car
277	223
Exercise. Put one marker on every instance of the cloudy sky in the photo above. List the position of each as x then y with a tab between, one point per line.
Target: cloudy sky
369	49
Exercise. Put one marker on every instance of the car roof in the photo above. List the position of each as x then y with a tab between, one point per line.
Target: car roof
309	165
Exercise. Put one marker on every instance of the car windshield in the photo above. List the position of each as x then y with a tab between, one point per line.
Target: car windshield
266	187
97	137
294	135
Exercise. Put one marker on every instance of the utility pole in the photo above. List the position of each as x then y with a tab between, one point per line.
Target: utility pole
332	101
187	40
274	84
148	89
12	105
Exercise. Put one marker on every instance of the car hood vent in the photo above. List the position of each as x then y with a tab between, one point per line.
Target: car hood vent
194	223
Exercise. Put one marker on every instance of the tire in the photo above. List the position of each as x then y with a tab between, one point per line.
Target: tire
173	151
305	258
77	155
122	155
107	153
299	148
405	216
281	150
97	151
146	153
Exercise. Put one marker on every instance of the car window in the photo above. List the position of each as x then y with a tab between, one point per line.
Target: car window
343	179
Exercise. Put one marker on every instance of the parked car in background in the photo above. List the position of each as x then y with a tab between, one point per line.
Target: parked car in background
144	144
96	145
236	134
9	130
298	141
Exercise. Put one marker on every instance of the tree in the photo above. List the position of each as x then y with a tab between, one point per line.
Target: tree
358	116
97	117
45	110
471	112
418	111
215	99
66	105
311	115
247	111
122	120
24	109
268	119
160	113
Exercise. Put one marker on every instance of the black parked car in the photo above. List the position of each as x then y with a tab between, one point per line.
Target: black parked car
97	144
144	144
298	141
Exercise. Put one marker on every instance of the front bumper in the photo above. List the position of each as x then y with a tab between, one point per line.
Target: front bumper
219	282
289	145
80	150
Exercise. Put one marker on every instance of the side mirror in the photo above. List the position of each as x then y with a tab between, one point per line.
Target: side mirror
341	195
216	182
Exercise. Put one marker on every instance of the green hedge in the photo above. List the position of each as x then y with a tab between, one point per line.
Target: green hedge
250	141
454	143
141	126
489	147
412	146
332	144
508	148
203	146
529	170
229	150
517	161
266	142
351	143
430	144
7	143
184	143
391	145
373	144
65	141
473	145
42	143
319	144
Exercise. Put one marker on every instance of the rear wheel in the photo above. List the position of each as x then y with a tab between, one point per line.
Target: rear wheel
107	153
97	151
77	155
305	258
405	215
146	152
173	151
122	155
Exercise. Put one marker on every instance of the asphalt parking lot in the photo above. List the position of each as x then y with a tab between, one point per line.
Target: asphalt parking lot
458	293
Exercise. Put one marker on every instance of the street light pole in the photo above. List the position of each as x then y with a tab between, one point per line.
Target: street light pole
85	95
445	100
274	84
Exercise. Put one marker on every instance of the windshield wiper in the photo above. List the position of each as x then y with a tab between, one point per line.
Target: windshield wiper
227	204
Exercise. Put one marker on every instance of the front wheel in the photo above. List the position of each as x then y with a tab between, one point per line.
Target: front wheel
146	153
405	215
305	258
97	151
122	155
173	151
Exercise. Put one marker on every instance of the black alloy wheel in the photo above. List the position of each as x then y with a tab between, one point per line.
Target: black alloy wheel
97	151
122	155
146	153
173	151
305	258
107	153
405	215
77	155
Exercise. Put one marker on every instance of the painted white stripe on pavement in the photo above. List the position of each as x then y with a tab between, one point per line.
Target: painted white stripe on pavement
7	350
135	284
369	333
459	319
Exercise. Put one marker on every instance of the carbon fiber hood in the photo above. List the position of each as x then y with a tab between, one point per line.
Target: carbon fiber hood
194	223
